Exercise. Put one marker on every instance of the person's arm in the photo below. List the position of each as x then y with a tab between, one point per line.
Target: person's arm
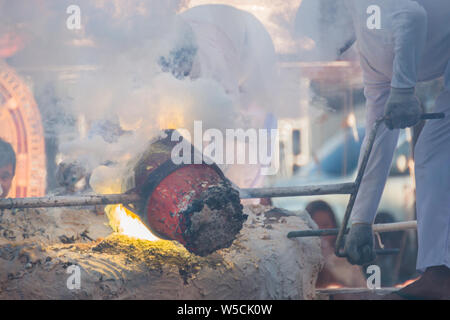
380	160
409	30
394	99
405	22
359	245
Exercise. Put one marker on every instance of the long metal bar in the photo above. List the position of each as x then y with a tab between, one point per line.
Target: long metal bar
343	188
377	228
92	200
68	201
251	193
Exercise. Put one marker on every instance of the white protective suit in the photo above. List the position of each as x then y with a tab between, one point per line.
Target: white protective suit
412	45
235	49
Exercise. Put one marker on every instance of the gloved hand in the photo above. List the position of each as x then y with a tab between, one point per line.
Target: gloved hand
402	109
359	245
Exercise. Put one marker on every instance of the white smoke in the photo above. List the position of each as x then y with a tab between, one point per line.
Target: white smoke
110	96
126	99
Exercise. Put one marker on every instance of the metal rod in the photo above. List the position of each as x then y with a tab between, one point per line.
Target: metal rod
92	200
432	116
377	228
343	188
68	201
351	202
396	226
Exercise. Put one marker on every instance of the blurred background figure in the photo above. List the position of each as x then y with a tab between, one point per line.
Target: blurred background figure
71	178
233	48
7	167
336	271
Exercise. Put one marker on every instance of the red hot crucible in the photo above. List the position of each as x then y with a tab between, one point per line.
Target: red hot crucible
193	204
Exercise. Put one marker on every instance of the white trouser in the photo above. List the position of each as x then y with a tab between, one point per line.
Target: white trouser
432	165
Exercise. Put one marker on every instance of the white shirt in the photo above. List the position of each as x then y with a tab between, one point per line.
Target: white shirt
412	45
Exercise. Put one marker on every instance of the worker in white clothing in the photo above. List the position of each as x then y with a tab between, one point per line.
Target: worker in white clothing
401	42
231	47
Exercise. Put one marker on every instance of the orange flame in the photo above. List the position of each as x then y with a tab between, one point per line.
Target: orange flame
406	283
334	286
125	222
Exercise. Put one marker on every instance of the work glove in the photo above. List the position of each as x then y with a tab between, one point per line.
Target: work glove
359	245
402	109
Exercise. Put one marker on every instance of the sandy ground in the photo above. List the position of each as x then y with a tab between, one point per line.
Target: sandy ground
37	248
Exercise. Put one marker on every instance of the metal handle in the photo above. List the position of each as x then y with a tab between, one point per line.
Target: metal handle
432	116
340	237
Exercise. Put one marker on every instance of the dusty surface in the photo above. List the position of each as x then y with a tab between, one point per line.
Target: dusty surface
52	225
261	263
214	220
